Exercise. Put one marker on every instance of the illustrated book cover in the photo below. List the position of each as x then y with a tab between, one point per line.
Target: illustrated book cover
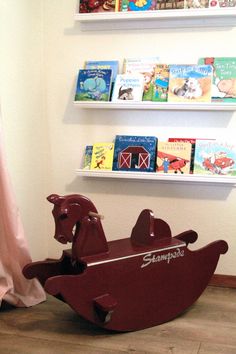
160	83
135	153
104	64
190	83
135	5
224	78
93	85
215	4
102	156
215	157
173	157
87	157
169	5
196	4
128	87
192	141
89	6
146	67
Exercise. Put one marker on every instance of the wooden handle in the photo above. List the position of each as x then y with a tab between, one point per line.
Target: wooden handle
99	216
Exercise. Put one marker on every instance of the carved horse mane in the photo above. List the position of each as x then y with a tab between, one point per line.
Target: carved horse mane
77	221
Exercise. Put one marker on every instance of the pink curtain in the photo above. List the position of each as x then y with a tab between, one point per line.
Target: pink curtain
14	254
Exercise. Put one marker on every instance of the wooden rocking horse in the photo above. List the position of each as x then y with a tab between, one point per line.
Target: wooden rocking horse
128	284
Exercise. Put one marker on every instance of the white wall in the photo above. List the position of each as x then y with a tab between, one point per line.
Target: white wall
207	209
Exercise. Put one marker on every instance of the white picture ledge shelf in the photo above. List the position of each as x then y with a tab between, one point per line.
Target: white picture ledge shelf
157	19
156	106
160	177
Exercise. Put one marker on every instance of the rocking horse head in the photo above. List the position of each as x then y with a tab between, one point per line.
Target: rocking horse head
68	212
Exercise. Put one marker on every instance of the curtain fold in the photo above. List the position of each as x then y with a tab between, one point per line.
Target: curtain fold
14	253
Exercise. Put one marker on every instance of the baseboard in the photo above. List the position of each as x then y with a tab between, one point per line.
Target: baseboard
226	281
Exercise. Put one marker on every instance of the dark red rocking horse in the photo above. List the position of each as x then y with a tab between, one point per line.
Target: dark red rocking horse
127	284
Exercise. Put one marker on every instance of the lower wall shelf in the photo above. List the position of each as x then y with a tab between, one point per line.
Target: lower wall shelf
160	177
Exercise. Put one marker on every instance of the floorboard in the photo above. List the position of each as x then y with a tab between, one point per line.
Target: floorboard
208	327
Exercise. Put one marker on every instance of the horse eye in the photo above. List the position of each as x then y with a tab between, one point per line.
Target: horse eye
63	216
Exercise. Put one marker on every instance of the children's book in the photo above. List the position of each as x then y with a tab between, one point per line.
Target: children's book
102	156
215	4
173	157
136	5
87	157
135	153
128	87
196	4
169	5
88	6
160	83
192	141
104	64
224	78
146	67
215	157
93	85
190	83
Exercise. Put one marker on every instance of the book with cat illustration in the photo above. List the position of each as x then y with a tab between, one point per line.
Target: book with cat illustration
146	67
160	83
135	153
102	156
89	6
128	87
215	157
173	157
190	83
93	85
224	78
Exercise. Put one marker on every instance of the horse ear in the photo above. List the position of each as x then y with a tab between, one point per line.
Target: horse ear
55	199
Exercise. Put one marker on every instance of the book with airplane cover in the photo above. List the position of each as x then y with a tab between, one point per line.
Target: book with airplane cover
135	153
215	157
190	83
93	85
160	83
90	6
128	87
224	78
192	141
146	67
102	156
173	157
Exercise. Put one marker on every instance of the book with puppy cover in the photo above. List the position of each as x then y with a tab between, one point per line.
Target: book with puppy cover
215	157
128	87
190	83
102	156
224	78
173	157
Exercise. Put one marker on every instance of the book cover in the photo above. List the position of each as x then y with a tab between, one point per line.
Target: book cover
192	141
216	4
190	83
215	157
169	5
102	156
224	78
135	153
87	157
128	87
93	85
173	157
104	64
136	5
89	6
160	83
146	67
196	4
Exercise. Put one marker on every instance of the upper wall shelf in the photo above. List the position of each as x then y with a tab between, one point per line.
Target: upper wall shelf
157	19
146	105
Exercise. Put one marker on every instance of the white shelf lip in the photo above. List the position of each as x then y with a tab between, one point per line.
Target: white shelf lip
147	105
158	18
170	177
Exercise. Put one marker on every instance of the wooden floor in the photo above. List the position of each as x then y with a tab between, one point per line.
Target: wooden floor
209	326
